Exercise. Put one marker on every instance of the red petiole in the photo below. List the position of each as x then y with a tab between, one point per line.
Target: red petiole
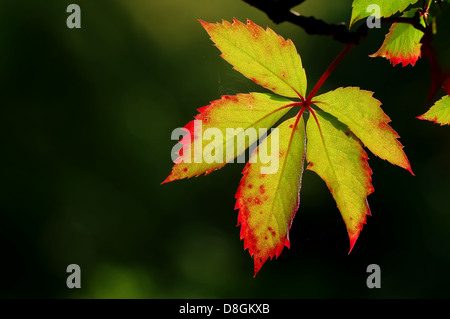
306	103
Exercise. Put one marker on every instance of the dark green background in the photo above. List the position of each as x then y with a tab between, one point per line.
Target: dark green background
85	122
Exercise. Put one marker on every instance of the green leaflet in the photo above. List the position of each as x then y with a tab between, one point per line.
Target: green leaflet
362	113
387	8
261	55
268	200
233	118
341	162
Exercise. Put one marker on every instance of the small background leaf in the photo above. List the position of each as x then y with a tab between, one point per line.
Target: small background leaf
387	7
402	43
439	112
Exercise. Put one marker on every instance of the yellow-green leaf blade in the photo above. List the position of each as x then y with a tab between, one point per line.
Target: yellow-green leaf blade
362	10
340	160
439	112
223	130
268	200
261	55
362	113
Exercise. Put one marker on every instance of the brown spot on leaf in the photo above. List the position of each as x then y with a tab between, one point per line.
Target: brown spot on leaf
230	98
262	189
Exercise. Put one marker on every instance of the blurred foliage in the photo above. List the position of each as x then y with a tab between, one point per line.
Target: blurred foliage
86	117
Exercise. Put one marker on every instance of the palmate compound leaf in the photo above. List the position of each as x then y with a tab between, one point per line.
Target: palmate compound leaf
261	55
439	112
269	195
362	113
402	43
222	131
363	8
268	200
336	155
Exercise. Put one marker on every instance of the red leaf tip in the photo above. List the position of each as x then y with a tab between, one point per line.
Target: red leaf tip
168	179
410	170
407	166
259	262
204	23
353	239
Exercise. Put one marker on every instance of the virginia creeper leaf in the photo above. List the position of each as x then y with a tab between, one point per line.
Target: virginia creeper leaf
267	202
402	43
268	195
336	155
387	8
362	113
261	55
240	112
439	112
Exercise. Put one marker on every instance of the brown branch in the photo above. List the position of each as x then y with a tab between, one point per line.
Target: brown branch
281	11
414	21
